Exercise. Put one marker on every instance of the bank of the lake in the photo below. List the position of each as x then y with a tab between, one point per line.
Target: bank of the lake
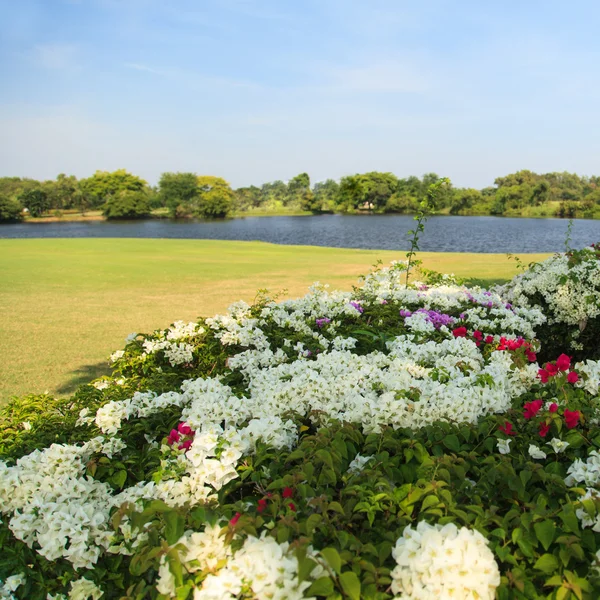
442	234
67	304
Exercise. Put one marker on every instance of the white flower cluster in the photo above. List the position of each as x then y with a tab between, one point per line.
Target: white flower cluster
572	292
589	376
176	351
10	585
587	472
266	569
358	463
435	562
583	515
54	506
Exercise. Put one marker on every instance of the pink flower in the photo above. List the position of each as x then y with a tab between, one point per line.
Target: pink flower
532	408
543	375
173	437
262	504
459	332
288	492
184	429
531	356
572	377
544	428
235	519
563	362
478	335
553	407
185	445
489	339
551	368
292	506
571	418
507	429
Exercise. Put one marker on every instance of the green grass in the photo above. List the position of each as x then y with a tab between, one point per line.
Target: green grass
67	304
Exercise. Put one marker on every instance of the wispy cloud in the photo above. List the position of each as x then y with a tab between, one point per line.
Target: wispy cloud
191	78
56	56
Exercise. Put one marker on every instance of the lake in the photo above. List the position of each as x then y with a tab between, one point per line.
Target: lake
386	232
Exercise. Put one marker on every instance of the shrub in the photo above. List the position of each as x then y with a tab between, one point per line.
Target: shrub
566	288
10	209
127	205
393	442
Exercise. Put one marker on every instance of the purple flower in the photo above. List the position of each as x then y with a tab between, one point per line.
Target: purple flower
434	317
384	301
462	316
490	304
358	307
508	306
405	313
322	322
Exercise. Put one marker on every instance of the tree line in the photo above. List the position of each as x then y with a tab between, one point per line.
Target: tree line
122	195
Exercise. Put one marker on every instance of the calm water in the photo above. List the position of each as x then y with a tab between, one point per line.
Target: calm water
442	234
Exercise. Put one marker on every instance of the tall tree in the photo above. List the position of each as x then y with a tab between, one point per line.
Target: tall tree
102	185
35	201
215	198
178	189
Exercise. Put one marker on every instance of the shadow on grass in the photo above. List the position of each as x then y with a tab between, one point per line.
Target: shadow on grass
83	374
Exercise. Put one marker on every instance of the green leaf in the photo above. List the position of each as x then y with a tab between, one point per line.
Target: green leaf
546	563
332	557
350	584
544	531
321	587
452	442
174	526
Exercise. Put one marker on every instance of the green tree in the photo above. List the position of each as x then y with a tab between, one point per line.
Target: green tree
325	195
298	190
127	204
35	201
247	197
10	209
215	198
178	189
401	203
64	192
102	185
464	199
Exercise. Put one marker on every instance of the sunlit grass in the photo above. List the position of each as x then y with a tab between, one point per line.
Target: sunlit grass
67	304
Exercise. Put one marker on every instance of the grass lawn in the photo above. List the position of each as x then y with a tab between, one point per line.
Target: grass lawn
67	304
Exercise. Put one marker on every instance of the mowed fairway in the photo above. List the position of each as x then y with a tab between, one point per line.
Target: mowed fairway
67	304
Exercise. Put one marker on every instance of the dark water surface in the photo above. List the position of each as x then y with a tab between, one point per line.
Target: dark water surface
389	232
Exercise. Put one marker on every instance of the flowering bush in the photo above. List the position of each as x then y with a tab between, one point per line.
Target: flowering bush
566	287
393	442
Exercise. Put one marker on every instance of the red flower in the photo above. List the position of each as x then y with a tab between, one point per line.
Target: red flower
184	429
235	519
478	335
292	506
531	356
532	408
459	332
572	377
186	445
551	368
507	429
563	362
571	418
262	504
553	407
287	492
173	437
543	375
489	339
544	428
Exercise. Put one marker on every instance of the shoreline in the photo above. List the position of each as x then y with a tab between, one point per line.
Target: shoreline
101	218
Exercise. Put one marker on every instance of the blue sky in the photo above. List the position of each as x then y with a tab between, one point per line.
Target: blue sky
258	90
